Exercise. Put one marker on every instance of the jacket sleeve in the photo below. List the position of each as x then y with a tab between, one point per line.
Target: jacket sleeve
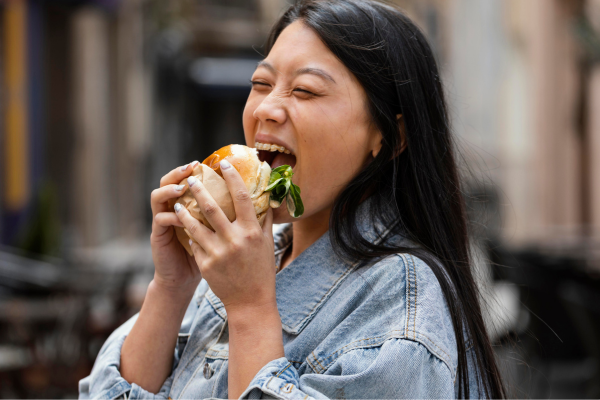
105	380
399	368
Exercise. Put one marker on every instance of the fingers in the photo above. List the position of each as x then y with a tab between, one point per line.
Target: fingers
244	210
200	233
208	206
178	174
162	222
167	219
159	197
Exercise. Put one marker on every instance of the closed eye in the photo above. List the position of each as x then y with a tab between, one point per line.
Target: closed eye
303	91
253	83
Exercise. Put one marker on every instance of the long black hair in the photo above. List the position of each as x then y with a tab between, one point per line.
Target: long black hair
393	61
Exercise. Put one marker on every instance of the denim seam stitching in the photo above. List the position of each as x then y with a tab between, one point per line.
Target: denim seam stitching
119	387
445	358
312	366
317	306
342	350
414	267
268	390
318	362
411	276
352	345
410	294
413	290
406	267
374	344
433	343
201	364
411	280
214	356
283	370
352	267
216	307
415	333
214	383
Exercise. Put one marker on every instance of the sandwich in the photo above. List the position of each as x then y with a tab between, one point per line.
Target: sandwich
267	187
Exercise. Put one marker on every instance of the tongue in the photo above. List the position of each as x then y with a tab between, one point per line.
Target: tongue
283	159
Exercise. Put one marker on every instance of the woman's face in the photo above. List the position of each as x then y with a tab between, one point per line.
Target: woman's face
305	99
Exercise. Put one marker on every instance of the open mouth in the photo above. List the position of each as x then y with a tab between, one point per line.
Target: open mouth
275	155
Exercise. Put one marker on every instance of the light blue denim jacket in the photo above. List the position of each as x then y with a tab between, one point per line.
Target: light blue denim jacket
380	330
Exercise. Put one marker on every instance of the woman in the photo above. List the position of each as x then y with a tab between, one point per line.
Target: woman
372	285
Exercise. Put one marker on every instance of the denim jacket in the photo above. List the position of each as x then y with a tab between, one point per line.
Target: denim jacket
375	330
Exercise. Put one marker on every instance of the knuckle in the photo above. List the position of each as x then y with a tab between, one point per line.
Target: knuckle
254	235
208	264
203	267
209	208
236	246
193	229
242	195
216	254
196	189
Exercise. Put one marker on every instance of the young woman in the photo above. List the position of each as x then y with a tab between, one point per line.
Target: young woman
370	293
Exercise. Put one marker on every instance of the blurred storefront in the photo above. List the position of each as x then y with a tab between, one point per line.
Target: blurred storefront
99	99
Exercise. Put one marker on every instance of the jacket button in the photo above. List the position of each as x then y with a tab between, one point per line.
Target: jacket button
208	372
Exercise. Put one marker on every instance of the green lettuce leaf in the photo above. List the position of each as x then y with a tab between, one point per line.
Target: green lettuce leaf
282	189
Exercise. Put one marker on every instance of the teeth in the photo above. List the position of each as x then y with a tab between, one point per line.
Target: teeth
271	147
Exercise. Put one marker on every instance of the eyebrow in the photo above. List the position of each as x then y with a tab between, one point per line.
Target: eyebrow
306	70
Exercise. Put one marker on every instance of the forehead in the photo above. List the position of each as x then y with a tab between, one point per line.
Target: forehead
298	46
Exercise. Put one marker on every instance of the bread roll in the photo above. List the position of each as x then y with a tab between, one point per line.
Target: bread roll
254	173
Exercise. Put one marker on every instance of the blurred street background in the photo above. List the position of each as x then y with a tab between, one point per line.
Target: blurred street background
100	98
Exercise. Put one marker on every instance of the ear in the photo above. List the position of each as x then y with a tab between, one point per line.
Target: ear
378	142
402	130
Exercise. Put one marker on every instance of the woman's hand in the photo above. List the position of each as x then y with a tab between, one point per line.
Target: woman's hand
175	269
237	259
238	262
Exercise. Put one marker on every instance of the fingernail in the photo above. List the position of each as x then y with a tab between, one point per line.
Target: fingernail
191	181
178	207
194	163
184	167
190	242
225	164
179	187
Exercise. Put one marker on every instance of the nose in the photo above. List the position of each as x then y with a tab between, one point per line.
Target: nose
271	109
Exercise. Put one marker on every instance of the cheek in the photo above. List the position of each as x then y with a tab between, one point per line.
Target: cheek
248	120
334	141
334	144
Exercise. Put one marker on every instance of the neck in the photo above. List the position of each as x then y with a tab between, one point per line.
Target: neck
306	232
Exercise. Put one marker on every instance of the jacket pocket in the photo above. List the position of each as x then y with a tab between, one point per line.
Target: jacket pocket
215	369
182	340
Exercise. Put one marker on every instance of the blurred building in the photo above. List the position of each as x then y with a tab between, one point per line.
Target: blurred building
100	98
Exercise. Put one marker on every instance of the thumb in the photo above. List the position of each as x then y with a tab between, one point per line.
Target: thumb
267	227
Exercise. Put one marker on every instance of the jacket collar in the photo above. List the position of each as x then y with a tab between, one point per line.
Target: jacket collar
310	280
